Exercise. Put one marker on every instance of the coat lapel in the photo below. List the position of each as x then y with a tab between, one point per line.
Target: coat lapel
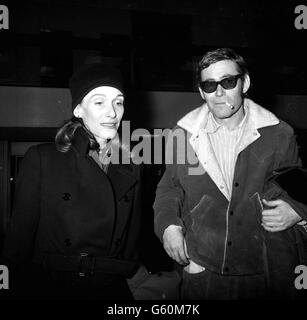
121	175
122	179
205	154
195	122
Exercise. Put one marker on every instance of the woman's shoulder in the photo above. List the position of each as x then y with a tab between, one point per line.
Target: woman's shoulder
44	150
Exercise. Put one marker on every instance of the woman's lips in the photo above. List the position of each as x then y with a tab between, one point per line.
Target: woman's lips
109	125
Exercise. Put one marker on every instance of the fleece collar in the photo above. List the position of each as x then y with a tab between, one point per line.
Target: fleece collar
195	123
257	117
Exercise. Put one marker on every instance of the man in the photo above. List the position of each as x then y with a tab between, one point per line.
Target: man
218	222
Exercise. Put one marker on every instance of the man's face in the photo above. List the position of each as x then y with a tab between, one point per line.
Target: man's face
101	111
216	100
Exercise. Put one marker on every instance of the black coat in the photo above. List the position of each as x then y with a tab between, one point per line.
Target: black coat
66	205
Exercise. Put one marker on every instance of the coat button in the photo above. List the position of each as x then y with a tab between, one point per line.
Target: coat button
67	242
236	184
118	242
66	196
125	198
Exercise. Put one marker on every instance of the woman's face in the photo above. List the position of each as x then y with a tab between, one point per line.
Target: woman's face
101	111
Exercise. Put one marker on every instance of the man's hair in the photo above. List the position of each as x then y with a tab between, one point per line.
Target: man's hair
218	55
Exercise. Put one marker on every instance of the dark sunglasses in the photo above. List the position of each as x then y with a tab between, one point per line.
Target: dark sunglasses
228	83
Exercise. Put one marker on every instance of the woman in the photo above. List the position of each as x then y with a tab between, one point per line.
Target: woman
76	214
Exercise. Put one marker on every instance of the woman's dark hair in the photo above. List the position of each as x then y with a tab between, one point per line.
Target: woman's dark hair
65	135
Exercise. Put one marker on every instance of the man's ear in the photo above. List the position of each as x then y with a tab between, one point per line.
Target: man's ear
77	111
246	84
201	93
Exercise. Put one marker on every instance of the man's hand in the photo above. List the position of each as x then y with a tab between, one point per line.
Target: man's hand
280	216
174	244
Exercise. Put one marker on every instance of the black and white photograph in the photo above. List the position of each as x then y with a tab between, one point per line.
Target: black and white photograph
153	154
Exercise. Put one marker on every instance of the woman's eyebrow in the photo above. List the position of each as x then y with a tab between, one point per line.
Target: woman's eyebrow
103	95
98	94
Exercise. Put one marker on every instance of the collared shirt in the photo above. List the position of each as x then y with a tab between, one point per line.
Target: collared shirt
224	144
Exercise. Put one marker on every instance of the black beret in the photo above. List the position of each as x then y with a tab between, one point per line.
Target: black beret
91	76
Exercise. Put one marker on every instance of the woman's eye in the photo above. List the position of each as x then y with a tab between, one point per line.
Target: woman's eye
119	103
98	103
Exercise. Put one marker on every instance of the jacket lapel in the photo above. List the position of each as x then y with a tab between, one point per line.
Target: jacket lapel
195	122
203	149
121	175
258	117
122	179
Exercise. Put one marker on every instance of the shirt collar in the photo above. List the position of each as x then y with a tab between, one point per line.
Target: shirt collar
212	125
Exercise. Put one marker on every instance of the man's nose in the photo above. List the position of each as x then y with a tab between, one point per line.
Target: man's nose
219	90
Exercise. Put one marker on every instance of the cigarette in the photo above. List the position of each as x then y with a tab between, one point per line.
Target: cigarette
230	105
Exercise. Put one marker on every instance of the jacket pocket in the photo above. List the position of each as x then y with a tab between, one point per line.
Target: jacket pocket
258	206
195	220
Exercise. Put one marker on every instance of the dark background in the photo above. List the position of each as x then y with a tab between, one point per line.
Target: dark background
156	44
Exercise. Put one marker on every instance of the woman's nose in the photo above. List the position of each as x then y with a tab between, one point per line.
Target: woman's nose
111	111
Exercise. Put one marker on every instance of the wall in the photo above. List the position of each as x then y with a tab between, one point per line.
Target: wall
48	107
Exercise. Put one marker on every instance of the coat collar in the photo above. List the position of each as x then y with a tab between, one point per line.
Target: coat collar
195	123
258	117
122	176
123	179
81	142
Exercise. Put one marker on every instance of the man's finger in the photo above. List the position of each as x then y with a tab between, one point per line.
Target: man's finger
270	229
169	252
272	203
180	259
271	218
176	253
181	255
270	212
273	224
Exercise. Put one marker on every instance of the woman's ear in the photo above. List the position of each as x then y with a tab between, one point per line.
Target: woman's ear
77	111
246	83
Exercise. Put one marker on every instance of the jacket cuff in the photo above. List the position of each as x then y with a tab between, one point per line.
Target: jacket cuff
162	224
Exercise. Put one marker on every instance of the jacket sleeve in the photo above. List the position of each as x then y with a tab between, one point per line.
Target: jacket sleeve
20	235
288	156
169	194
132	246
